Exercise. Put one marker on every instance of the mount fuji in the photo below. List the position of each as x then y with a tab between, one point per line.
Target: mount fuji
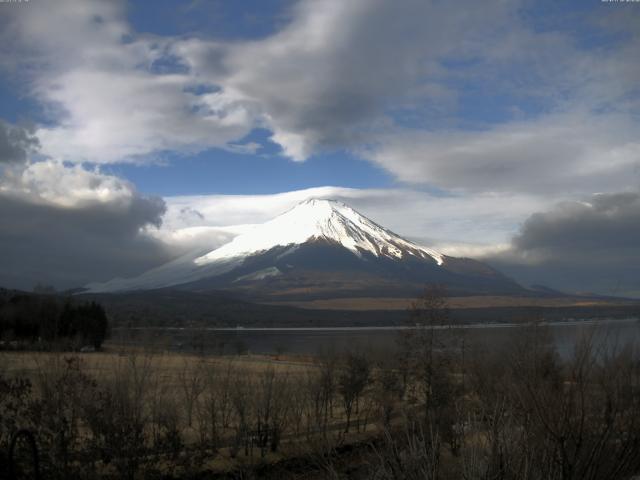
318	249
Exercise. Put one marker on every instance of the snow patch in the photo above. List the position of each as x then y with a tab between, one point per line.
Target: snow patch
259	275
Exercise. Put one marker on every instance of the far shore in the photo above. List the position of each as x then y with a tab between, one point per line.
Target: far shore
555	323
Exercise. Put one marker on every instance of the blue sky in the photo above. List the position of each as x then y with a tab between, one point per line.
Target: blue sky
458	127
262	172
250	19
200	174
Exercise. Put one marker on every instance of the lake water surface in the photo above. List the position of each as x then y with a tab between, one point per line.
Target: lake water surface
309	341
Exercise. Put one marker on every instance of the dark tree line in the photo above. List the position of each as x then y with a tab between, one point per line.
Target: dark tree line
46	318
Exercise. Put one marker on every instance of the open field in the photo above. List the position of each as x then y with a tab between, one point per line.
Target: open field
173	366
226	412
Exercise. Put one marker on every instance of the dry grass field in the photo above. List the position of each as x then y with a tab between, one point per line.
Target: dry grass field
489	301
171	366
228	412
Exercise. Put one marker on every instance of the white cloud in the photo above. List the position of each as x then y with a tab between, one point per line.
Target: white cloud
557	153
199	238
113	95
472	250
324	81
118	116
51	182
337	75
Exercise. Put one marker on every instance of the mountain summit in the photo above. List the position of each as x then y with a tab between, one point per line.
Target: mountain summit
319	249
317	220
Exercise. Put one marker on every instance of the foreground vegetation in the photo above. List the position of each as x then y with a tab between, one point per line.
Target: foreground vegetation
432	409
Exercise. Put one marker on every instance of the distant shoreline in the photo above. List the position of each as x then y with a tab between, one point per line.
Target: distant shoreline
598	321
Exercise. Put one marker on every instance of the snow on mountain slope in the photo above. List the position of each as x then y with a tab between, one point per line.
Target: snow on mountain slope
308	221
317	219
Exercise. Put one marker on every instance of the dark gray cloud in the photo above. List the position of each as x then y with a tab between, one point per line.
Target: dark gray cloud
592	245
607	222
15	143
67	225
69	247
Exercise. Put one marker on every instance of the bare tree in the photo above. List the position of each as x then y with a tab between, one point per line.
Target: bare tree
214	409
387	392
429	314
117	416
192	385
271	407
325	387
62	386
354	377
409	454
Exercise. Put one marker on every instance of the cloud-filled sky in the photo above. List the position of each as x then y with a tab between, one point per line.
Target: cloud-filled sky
131	132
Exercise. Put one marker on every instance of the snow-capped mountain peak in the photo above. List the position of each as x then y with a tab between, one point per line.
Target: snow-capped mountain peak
320	219
311	221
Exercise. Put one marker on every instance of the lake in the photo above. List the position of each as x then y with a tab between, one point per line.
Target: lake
309	341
